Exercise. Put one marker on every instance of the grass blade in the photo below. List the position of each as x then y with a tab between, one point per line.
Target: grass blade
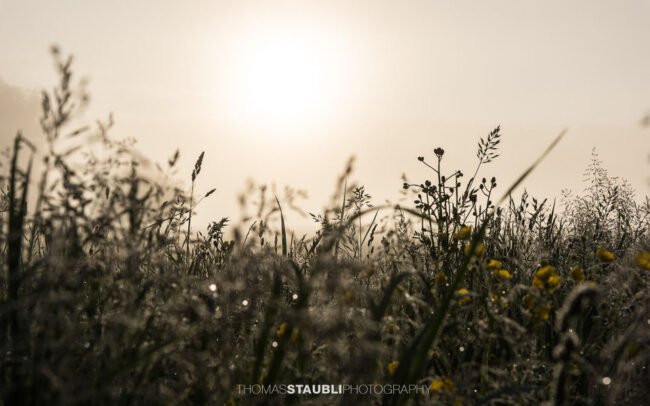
345	190
284	231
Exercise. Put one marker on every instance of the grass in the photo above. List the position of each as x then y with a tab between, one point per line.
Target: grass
108	295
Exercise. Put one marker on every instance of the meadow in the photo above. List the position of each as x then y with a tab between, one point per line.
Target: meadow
110	294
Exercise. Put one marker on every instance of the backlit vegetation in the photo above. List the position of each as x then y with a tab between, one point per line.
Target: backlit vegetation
109	293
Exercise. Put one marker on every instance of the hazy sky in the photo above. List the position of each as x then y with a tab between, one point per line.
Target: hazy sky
285	91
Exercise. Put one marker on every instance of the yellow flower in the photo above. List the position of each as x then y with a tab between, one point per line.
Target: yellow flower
392	367
478	252
449	385
543	312
463	299
282	329
464	233
441	278
553	282
604	255
502	274
493	264
643	260
546	279
544	272
528	301
444	383
437	385
576	274
500	299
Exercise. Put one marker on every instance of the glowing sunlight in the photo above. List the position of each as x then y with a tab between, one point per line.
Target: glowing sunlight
280	78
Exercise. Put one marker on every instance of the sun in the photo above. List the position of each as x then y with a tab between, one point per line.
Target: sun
280	78
283	79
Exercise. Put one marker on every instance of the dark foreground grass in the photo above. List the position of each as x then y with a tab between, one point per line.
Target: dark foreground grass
109	296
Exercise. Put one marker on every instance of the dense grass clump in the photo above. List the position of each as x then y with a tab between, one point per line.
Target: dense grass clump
108	295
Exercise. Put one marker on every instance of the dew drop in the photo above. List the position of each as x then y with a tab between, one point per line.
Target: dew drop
213	287
607	380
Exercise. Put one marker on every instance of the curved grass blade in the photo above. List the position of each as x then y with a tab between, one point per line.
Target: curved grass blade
345	190
284	231
380	309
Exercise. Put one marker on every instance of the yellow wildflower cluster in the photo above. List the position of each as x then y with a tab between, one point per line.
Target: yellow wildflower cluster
282	330
392	367
478	252
546	279
495	267
643	260
577	274
604	255
443	383
500	299
502	274
537	311
543	312
463	299
464	233
493	264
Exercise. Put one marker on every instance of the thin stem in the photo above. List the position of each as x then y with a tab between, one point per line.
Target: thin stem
189	226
